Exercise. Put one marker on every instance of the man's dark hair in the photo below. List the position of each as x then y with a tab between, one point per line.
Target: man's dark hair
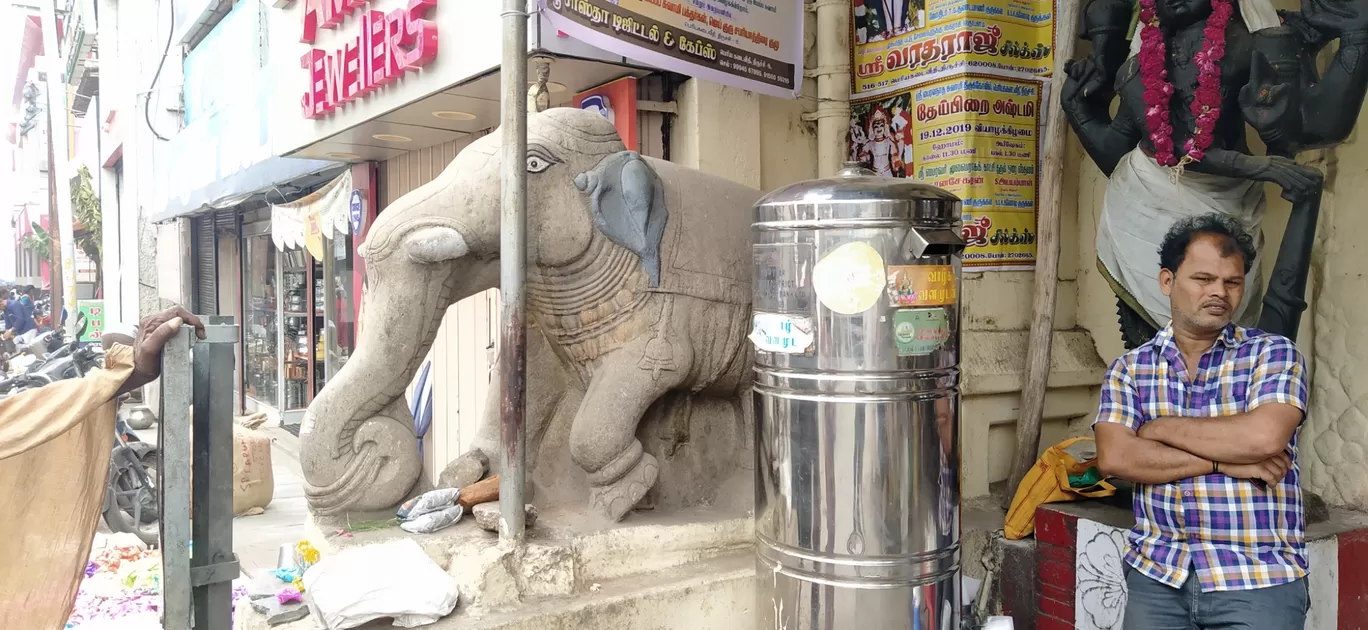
1229	233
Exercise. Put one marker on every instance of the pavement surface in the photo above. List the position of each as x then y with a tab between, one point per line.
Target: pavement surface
257	539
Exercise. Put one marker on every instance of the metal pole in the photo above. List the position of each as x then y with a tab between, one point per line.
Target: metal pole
173	478
512	272
213	565
330	305
64	249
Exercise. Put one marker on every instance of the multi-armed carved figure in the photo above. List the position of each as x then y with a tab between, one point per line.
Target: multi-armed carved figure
1190	75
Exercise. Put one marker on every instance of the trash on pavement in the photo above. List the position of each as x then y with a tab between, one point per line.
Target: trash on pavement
278	613
431	501
431	511
289	594
122	587
394	579
433	521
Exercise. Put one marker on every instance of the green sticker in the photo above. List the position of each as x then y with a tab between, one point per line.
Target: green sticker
920	331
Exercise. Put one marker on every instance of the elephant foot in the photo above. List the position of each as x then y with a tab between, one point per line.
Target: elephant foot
614	491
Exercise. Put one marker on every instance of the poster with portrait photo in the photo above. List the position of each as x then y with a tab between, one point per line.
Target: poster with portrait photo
878	20
881	134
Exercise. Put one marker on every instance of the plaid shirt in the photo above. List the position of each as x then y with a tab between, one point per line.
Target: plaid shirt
1236	536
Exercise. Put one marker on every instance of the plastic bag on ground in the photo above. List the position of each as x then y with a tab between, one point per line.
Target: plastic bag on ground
433	521
394	579
431	501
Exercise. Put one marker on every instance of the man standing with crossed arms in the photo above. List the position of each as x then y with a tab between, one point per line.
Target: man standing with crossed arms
1204	420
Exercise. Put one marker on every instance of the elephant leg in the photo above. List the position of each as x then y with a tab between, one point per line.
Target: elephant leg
603	439
548	381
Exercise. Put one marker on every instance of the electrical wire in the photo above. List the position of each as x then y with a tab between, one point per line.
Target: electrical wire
147	99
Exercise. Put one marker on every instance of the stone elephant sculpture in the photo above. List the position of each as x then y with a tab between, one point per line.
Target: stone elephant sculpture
638	290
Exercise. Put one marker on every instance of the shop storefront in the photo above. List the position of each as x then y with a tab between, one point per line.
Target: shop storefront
299	302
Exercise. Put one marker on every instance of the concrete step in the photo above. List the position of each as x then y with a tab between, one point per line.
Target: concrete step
713	594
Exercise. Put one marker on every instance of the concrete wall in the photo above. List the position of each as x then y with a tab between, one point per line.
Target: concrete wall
1335	437
132	40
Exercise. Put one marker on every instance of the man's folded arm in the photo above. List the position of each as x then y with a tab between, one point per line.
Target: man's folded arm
30	418
1121	452
1276	406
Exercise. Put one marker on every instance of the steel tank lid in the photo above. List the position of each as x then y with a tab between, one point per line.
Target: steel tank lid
856	184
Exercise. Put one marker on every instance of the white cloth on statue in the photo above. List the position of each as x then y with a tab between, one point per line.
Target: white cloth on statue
1257	15
1143	201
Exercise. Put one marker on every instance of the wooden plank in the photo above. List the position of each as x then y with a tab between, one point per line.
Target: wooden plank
1048	220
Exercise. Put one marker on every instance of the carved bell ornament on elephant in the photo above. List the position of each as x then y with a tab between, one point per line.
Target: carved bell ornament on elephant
624	310
1190	74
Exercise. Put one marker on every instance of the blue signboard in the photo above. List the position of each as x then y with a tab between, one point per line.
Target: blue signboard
357	211
231	56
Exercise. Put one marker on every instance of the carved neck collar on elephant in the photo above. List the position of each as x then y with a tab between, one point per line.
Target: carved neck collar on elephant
593	304
603	274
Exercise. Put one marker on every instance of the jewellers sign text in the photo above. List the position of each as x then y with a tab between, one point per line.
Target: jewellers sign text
387	46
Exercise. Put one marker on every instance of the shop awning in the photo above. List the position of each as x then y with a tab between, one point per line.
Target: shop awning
305	222
230	190
224	157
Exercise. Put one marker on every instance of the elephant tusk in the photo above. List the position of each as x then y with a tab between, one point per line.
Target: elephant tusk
435	244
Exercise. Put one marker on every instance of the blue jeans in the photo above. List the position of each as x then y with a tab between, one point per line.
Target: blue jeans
1151	605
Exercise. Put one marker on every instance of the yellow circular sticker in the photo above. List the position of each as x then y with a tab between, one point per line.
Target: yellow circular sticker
850	279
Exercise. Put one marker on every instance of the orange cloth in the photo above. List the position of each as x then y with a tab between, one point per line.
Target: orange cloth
1048	482
54	464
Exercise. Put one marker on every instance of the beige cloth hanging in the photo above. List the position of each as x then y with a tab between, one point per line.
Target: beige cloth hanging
54	463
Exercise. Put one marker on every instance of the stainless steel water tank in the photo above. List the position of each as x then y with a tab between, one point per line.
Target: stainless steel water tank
856	331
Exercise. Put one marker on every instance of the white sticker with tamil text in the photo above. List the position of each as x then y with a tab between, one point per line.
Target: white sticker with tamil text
786	334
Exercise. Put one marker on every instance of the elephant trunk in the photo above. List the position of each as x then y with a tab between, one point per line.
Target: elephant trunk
359	451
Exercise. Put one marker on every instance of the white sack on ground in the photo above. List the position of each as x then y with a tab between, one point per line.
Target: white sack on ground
395	579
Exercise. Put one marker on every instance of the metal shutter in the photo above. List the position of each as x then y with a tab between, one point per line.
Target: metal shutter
225	221
206	267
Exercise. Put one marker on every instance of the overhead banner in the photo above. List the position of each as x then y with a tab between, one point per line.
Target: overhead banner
307	220
756	45
899	43
976	136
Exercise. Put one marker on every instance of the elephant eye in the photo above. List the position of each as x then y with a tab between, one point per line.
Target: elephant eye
537	164
539	159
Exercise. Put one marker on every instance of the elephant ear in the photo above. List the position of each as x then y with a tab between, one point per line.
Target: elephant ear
627	200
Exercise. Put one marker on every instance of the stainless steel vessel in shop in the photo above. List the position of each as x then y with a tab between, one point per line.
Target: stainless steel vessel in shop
856	328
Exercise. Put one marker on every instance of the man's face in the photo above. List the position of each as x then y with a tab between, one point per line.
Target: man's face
880	128
1180	13
1207	287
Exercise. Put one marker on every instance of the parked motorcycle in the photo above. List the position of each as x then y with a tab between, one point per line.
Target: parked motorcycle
131	500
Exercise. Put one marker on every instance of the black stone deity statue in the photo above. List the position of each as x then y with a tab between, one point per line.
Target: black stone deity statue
1241	63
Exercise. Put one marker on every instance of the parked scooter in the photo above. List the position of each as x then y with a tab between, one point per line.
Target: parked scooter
131	501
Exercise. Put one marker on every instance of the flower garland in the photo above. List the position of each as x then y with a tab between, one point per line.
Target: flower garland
1206	103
